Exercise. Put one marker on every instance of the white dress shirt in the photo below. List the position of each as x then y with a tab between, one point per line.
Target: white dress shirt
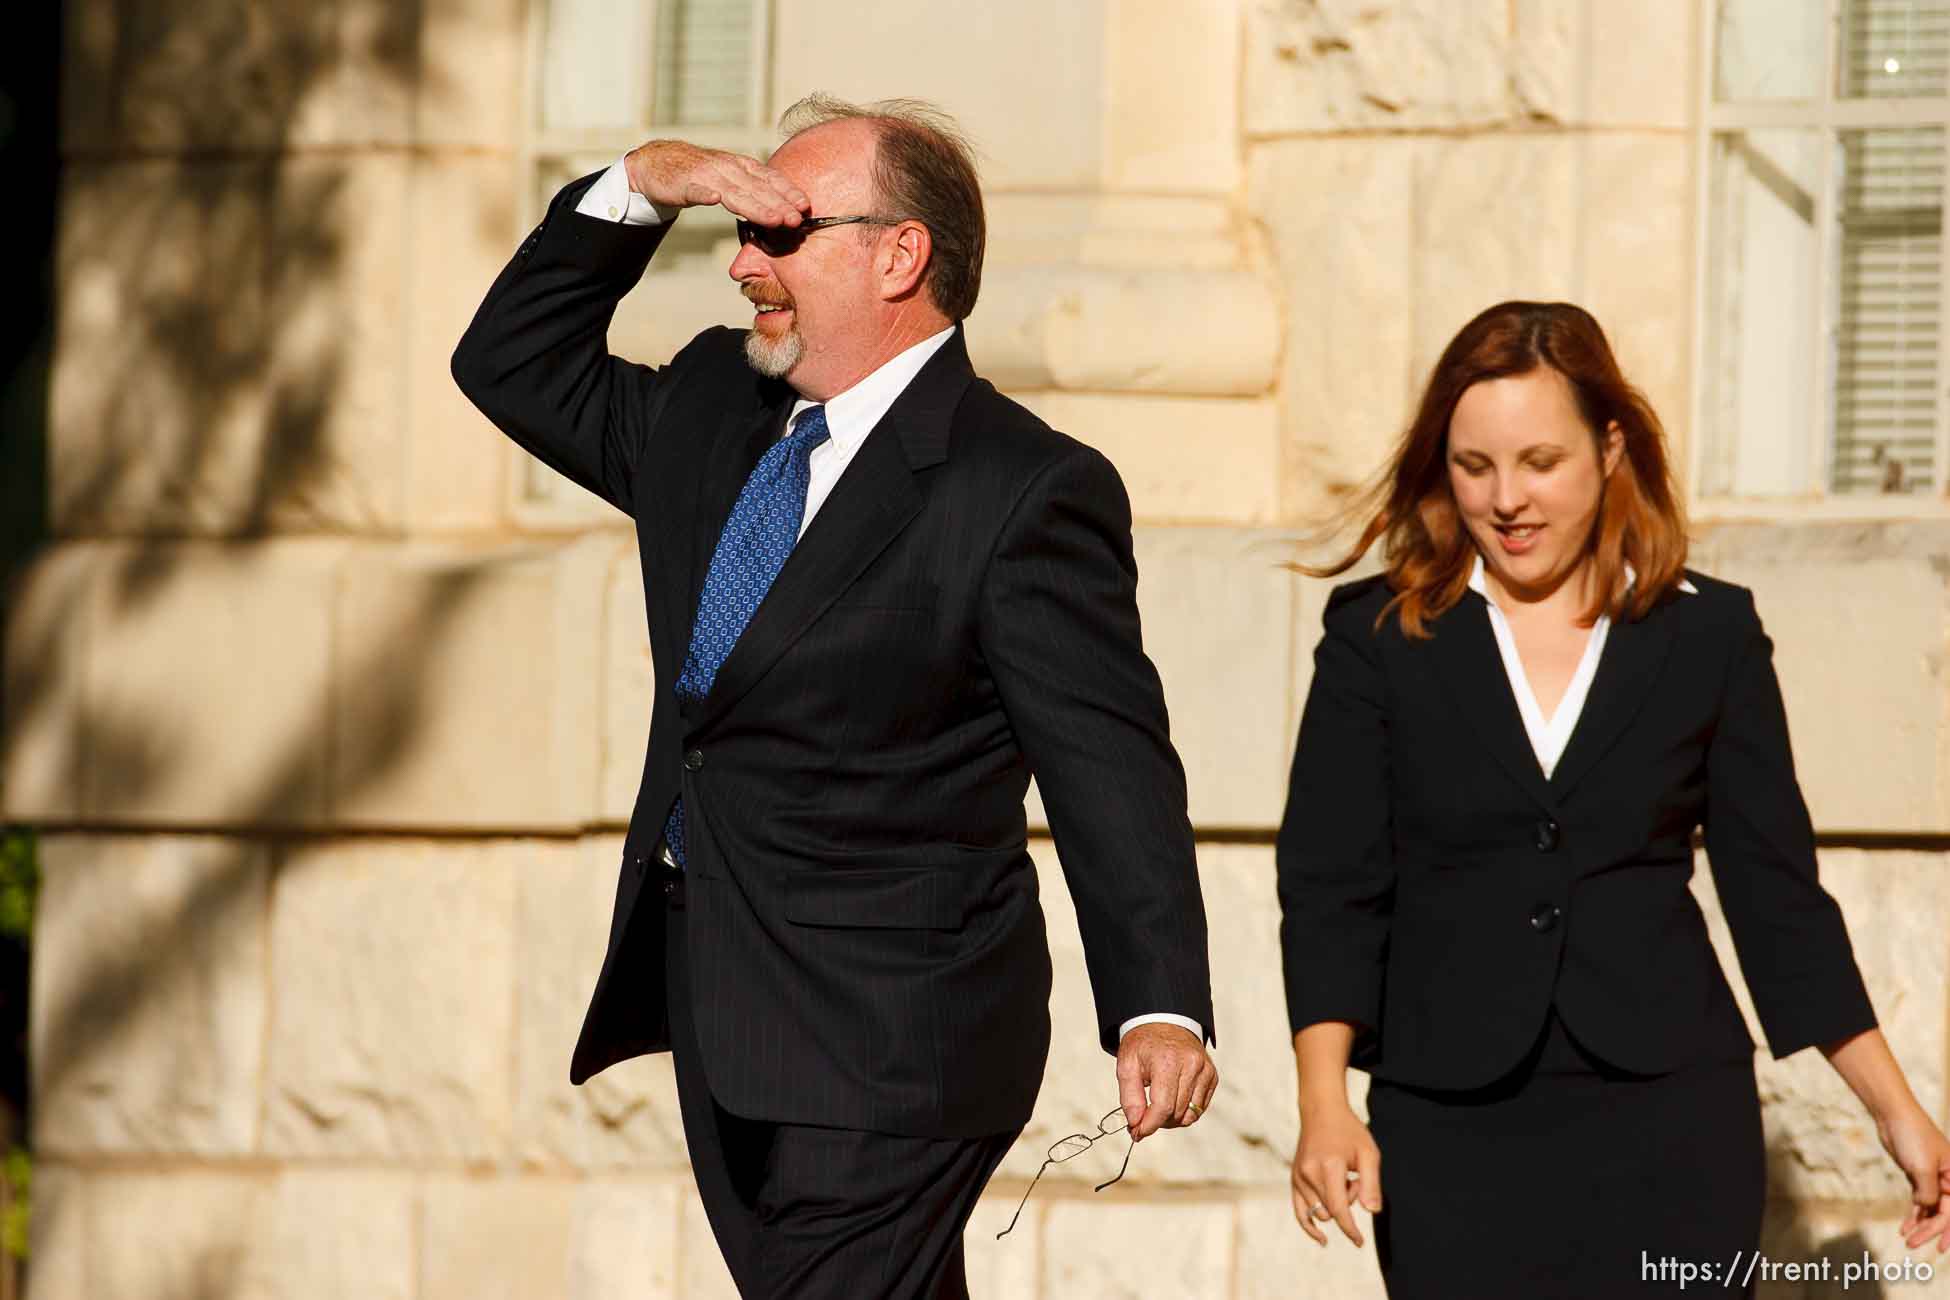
850	416
1549	736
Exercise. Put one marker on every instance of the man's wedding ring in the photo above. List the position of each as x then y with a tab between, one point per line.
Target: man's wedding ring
1195	1108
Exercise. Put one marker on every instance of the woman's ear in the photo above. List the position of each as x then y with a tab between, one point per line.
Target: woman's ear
1611	447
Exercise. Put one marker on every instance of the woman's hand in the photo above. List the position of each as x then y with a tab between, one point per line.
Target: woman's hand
1908	1134
1334	1143
1919	1148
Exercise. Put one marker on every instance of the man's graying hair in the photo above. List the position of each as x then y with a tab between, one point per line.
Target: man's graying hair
923	170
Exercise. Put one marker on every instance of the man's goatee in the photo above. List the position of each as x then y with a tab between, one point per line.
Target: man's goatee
773	357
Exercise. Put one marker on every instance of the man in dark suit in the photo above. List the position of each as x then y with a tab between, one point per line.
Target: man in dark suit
880	597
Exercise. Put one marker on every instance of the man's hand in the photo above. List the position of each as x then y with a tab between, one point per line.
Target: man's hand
1170	1064
673	174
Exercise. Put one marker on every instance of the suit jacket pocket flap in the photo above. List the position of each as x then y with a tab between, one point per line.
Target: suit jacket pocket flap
925	898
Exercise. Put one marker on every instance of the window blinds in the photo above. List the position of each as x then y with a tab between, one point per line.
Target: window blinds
705	62
1890	297
1894	49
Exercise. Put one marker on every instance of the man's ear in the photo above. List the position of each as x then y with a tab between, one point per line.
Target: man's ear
904	260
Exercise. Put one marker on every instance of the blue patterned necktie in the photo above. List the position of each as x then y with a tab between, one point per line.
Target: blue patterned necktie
760	533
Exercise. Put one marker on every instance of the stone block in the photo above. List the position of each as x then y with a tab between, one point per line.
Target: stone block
335	1234
251	313
496	1238
629	687
1171	112
44	661
160	273
705	1276
1639	69
1217	609
1635	215
471	53
1013	1266
1277	1260
1112	229
88	36
148	995
182	1235
465	228
339	353
393	994
1857	614
1217	605
1247	1137
241	76
1344	65
623	1239
626	1117
57	1256
1026	82
1094	329
206	683
1821	1144
1183	459
467	685
1496	218
1339	219
1130	1248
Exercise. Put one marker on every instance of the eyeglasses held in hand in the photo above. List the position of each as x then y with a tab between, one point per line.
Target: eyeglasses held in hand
1070	1148
777	241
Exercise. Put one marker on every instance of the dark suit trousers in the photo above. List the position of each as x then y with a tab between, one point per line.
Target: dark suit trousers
806	1212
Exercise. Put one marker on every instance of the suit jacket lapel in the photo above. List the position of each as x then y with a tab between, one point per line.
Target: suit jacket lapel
875	499
1464	649
1635	652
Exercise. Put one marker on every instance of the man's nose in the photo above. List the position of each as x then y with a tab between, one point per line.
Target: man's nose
750	264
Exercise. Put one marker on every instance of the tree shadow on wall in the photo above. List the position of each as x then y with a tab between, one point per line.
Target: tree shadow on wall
217	375
1791	1235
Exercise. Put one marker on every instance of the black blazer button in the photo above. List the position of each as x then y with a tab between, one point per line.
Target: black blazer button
1544	917
637	863
1548	836
694	761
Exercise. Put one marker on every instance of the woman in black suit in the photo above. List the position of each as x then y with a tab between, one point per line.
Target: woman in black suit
1509	741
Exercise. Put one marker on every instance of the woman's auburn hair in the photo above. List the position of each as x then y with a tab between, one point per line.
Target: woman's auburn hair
1410	507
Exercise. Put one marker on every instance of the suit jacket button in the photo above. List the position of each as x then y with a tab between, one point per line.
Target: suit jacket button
1548	835
1545	916
694	761
636	863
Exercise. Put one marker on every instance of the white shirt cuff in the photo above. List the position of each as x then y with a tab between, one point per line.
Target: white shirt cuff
612	199
1162	1018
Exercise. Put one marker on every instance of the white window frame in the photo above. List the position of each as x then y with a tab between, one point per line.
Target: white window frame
565	507
1830	115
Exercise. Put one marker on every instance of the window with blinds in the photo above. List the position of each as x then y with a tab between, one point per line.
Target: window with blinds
1894	49
1822	304
1890	296
705	62
606	76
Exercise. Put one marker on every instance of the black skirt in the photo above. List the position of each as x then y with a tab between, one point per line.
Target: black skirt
1570	1178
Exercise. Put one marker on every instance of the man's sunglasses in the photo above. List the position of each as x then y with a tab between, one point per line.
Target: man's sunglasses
777	241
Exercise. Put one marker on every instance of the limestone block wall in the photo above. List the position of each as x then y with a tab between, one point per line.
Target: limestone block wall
331	733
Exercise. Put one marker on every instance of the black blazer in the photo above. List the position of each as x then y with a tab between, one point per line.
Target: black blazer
867	946
1437	891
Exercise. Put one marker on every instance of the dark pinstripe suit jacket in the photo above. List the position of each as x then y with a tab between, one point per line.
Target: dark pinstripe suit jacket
868	950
